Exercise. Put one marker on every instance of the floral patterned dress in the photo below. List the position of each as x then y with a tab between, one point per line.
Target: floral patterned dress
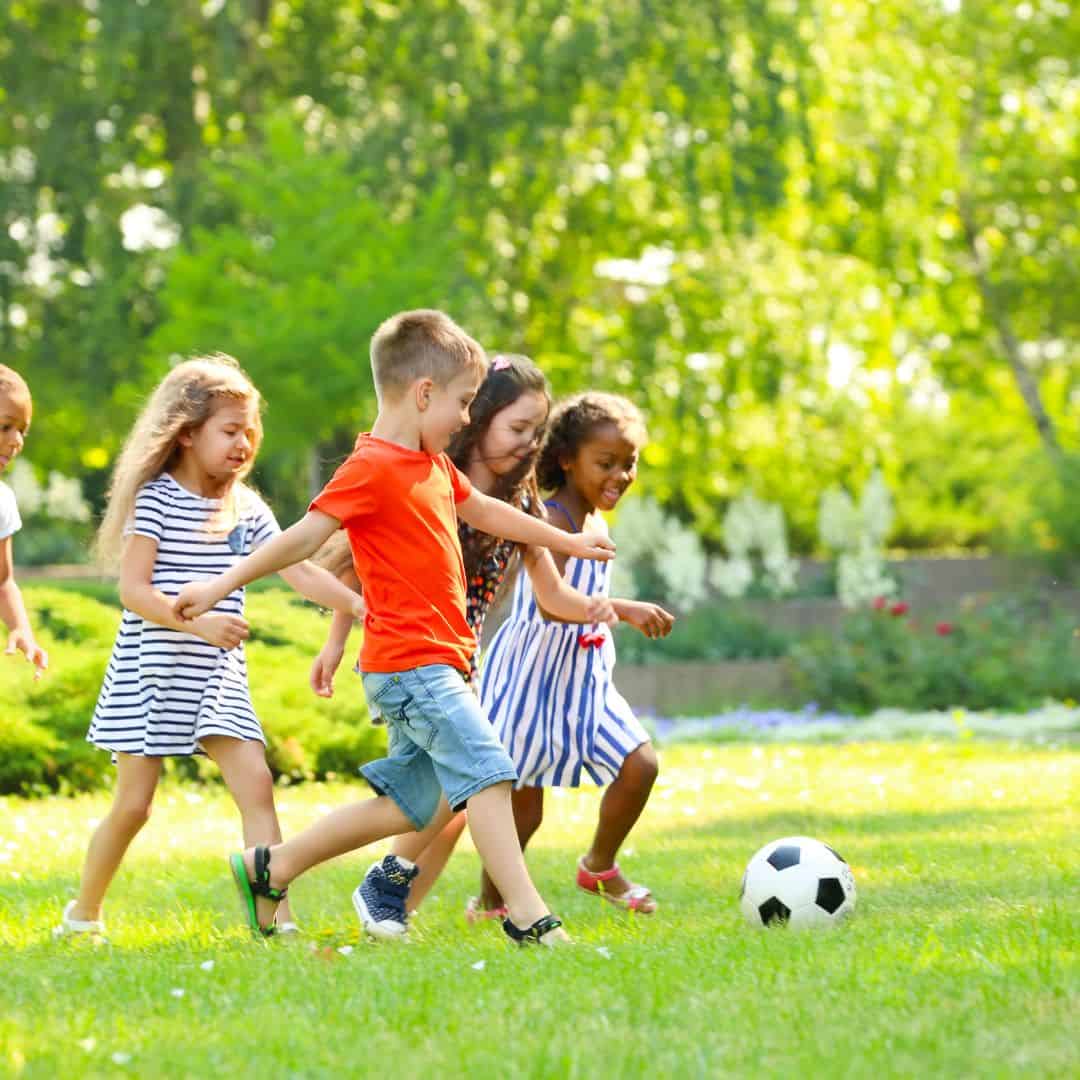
483	587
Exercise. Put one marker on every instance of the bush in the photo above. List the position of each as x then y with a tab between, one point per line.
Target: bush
1008	655
43	740
715	632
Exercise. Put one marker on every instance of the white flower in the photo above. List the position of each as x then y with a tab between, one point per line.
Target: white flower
145	227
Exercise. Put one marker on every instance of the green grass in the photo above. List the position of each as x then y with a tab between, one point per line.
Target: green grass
961	959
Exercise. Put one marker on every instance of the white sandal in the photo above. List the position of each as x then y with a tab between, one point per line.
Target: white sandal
69	927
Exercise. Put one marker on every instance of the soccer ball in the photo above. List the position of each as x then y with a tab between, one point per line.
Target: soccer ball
799	882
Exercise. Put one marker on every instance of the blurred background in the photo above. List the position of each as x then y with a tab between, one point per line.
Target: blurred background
830	247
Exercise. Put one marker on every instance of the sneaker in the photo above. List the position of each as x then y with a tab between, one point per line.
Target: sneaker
69	927
380	898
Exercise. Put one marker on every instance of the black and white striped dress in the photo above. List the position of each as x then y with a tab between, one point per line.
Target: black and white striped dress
165	690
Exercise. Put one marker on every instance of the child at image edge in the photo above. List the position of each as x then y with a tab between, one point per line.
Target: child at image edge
16	410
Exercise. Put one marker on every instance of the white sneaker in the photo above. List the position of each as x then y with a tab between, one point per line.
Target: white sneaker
69	927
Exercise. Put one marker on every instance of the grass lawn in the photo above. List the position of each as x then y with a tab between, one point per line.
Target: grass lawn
961	960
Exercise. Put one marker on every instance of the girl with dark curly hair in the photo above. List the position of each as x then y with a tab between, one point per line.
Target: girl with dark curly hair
547	687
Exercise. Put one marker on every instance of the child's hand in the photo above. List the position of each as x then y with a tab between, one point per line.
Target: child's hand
599	609
195	599
323	669
224	631
19	641
590	545
651	619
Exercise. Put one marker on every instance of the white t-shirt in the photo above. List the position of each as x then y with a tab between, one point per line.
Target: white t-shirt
10	522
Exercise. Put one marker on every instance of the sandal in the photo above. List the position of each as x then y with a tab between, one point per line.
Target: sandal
536	933
70	927
476	912
637	898
259	887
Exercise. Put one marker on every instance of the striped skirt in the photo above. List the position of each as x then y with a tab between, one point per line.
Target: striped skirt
554	705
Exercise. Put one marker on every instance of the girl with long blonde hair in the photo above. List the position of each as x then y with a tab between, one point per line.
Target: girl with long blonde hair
180	511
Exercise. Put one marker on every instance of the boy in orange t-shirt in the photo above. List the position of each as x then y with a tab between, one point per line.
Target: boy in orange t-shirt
396	497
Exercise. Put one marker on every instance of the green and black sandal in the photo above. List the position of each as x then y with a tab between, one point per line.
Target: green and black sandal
259	887
535	934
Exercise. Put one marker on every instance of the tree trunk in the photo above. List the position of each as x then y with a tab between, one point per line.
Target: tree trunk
999	316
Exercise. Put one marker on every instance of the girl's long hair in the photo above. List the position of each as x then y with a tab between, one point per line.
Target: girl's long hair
509	376
182	402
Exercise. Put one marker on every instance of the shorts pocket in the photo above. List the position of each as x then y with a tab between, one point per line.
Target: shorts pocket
394	702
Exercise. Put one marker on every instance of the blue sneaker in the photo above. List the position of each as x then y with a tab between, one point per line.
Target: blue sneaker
380	898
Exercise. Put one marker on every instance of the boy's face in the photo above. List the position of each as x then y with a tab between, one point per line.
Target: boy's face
444	410
604	466
225	444
15	415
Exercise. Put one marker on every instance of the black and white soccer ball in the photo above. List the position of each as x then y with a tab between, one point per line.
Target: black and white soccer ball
799	882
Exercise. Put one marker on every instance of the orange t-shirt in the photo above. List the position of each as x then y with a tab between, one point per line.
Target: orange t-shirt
397	507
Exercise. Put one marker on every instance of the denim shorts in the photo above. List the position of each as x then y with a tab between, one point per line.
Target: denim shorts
439	741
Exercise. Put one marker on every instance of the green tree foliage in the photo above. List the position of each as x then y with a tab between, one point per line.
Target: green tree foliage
810	238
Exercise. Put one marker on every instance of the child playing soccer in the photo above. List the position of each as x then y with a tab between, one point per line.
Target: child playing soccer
497	451
179	511
396	497
16	410
547	688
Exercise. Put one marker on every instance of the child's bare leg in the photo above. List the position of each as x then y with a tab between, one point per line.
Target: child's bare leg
136	781
243	768
620	808
430	849
491	822
528	807
341	831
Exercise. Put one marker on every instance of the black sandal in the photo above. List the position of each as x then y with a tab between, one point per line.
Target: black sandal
534	933
259	887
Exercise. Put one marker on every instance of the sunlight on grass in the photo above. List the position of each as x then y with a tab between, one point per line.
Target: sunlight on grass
961	957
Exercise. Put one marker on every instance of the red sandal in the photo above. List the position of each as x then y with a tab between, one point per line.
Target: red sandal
636	898
476	912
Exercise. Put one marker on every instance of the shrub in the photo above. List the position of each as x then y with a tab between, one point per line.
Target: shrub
715	632
43	740
1009	655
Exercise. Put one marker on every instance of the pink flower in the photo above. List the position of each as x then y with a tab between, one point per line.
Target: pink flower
944	629
901	607
880	603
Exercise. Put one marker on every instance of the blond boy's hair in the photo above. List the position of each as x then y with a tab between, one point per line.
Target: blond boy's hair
421	344
13	385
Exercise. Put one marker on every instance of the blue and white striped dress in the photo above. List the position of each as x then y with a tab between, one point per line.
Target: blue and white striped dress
165	690
552	701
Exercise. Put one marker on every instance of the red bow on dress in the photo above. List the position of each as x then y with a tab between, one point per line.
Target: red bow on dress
590	640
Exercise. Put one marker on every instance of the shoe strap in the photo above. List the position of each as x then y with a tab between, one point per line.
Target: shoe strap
534	933
603	875
261	885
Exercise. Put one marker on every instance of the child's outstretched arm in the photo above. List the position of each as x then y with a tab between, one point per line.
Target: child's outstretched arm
294	545
321	587
324	666
558	599
138	595
498	518
651	619
13	614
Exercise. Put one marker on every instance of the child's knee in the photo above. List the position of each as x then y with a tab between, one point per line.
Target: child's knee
258	787
132	814
645	765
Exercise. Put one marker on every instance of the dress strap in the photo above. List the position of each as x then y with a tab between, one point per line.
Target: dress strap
566	513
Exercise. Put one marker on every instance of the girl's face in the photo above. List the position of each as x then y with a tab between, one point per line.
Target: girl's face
14	424
604	466
514	433
226	443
